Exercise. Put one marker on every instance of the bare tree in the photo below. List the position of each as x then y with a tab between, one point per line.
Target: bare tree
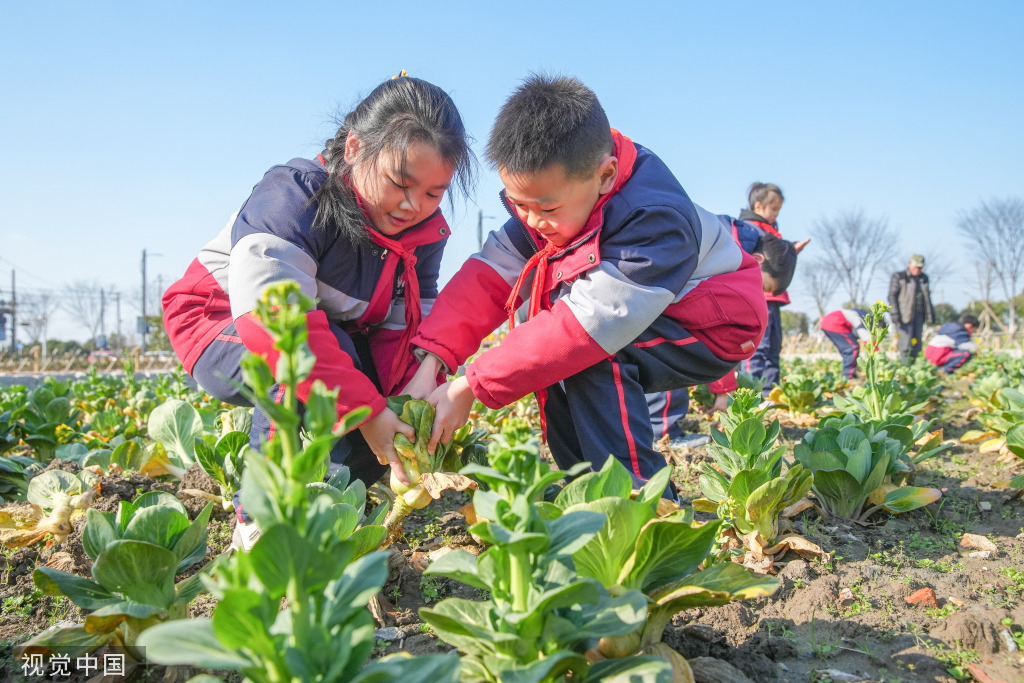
34	313
994	231
855	247
84	301
821	281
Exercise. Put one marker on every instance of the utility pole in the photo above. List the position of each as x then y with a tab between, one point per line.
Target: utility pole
14	319
117	300
103	316
143	327
480	229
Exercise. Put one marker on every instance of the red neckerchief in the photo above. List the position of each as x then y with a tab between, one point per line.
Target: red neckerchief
403	250
767	227
625	151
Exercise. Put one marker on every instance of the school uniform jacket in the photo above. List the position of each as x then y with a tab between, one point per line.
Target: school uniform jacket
358	287
646	251
950	337
845	321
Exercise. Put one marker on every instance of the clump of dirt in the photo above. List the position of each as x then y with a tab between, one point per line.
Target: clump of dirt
127	487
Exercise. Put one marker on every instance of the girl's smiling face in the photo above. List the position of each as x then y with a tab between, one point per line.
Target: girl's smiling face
396	197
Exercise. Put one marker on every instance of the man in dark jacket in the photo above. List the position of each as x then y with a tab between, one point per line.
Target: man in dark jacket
911	302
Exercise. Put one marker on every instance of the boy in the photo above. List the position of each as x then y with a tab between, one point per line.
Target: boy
765	202
777	258
951	346
846	329
632	288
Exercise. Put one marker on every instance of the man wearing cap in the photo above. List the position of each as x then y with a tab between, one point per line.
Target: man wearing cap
911	303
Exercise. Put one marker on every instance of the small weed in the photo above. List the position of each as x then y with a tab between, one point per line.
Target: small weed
22	605
942	566
430	589
823	649
1017	635
941	612
395	592
957	661
800	583
860	605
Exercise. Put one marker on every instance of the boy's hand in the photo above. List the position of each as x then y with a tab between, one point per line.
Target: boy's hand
452	401
799	246
424	381
379	432
721	404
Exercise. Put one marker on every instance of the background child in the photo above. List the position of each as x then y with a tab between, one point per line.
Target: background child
360	229
632	287
765	203
777	258
951	346
846	329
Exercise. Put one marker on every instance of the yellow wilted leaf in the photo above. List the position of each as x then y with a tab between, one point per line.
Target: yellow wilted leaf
877	497
975	435
992	445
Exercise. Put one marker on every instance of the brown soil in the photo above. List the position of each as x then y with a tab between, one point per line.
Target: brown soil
844	619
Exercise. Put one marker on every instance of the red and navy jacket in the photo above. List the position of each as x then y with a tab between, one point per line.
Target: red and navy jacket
950	337
647	250
362	288
846	321
765	228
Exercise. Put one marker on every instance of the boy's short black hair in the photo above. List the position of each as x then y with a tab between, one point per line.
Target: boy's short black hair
968	319
779	261
550	120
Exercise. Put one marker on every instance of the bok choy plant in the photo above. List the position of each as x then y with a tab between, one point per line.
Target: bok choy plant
429	474
136	555
743	483
294	608
542	617
660	555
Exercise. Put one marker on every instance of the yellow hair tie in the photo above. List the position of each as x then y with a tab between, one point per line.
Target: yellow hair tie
400	75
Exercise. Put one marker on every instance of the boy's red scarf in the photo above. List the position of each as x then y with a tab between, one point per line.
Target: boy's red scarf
624	150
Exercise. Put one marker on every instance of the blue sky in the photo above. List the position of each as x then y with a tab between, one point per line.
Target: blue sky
131	126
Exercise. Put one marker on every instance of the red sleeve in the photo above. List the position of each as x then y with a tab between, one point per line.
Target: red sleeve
546	349
470	307
333	366
725	385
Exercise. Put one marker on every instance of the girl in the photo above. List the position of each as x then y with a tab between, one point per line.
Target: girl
360	229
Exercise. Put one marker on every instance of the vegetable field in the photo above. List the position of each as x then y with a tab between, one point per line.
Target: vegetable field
839	531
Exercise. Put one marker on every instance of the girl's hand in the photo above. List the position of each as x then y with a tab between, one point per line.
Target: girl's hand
452	401
379	432
424	381
799	246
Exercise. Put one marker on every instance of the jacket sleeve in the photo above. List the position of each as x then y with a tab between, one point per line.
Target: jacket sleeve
605	309
725	385
894	296
333	366
472	304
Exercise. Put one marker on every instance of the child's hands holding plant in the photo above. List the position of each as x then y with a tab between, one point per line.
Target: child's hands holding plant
452	402
379	432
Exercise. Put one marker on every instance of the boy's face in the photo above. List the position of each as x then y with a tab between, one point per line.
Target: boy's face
768	282
769	208
554	204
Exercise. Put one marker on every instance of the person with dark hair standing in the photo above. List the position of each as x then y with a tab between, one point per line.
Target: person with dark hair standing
951	346
764	204
911	302
360	228
632	288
